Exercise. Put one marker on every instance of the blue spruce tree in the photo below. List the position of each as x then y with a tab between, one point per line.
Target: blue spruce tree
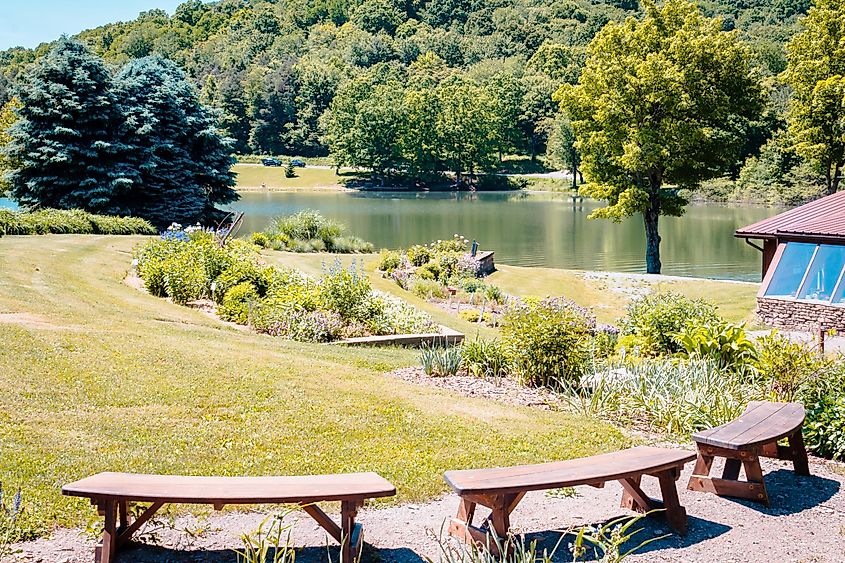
181	163
64	142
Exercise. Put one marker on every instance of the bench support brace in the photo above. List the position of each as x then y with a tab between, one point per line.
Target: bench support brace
493	532
348	534
753	487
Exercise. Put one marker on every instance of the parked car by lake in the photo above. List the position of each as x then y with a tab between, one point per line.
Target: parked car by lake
271	162
298	162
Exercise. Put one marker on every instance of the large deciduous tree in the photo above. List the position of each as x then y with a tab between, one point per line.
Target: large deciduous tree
816	72
64	142
181	166
655	111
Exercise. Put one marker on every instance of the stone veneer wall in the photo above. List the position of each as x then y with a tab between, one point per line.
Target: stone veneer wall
799	315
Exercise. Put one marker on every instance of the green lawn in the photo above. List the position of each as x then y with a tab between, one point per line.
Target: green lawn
273	177
608	296
99	376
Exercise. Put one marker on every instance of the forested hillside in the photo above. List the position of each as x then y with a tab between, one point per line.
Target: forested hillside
273	68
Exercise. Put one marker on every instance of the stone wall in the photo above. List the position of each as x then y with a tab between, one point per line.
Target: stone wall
799	315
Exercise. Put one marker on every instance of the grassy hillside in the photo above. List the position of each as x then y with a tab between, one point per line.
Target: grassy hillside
99	376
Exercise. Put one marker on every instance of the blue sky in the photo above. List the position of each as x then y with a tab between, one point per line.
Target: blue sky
30	22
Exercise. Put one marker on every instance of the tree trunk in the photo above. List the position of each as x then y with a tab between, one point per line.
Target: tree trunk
833	186
574	178
652	235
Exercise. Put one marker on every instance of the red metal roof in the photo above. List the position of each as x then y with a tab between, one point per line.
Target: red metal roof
823	217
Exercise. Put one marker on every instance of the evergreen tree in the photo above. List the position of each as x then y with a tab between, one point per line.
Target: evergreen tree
181	163
63	144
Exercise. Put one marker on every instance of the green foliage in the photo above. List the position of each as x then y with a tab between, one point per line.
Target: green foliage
654	321
309	231
485	358
702	94
815	71
665	395
824	427
548	340
724	343
273	535
440	361
389	260
74	221
344	290
260	239
189	265
785	365
10	512
8	116
611	541
418	255
428	289
85	139
237	302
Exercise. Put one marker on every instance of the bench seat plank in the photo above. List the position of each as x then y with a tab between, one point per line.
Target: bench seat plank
761	423
181	489
583	471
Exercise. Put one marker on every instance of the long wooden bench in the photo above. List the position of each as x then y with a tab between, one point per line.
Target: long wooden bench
113	493
501	489
742	442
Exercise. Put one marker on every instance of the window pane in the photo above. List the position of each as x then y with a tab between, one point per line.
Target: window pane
824	273
790	269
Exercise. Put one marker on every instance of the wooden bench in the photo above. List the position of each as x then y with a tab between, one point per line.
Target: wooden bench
501	489
114	492
742	442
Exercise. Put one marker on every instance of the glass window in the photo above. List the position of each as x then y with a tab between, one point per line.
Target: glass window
790	270
823	274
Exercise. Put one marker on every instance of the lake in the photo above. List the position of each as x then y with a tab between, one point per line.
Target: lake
530	229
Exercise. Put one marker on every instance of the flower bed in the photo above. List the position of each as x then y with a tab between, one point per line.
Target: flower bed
191	264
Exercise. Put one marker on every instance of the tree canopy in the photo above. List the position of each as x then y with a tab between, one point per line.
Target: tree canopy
816	73
657	109
136	144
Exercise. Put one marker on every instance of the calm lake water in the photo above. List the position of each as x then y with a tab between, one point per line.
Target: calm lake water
530	229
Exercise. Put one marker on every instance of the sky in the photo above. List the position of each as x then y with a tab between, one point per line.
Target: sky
27	23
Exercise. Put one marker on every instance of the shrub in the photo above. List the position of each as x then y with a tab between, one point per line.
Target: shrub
485	358
418	255
494	294
440	361
309	231
236	303
456	245
447	265
429	289
473	316
343	290
242	270
260	239
548	340
467	267
285	318
430	271
389	260
184	280
72	221
473	285
785	366
656	319
824	428
398	317
724	343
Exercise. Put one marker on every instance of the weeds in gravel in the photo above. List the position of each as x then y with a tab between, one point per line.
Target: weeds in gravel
604	544
9	521
273	535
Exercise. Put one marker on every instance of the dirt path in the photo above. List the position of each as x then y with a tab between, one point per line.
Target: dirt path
805	524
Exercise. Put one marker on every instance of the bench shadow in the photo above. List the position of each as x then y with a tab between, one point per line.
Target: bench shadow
146	553
790	493
699	530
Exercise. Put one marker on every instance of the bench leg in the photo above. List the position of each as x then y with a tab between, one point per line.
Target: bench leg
497	523
729	485
351	533
105	552
676	515
799	454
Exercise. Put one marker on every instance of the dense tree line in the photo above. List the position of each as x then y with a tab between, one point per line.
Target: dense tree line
136	142
273	68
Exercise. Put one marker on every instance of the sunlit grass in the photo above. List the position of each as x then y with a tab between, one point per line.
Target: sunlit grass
98	376
273	177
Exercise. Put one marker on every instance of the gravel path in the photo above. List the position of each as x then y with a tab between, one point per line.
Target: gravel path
805	524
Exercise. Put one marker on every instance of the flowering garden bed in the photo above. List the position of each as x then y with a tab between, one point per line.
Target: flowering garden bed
193	264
